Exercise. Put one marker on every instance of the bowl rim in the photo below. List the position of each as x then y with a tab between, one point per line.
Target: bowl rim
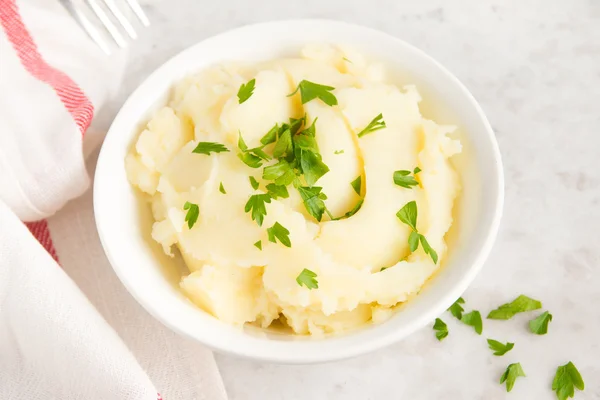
277	354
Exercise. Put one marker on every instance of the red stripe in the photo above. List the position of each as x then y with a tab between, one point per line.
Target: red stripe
71	95
41	232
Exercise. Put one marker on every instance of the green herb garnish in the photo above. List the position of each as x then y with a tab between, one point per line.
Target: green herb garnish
276	191
441	329
518	305
408	215
498	348
376	124
308	279
281	173
313	200
253	182
310	90
513	371
356	184
209	147
258	245
221	188
404	179
473	319
246	90
278	231
539	325
339	152
193	211
565	381
256	204
456	308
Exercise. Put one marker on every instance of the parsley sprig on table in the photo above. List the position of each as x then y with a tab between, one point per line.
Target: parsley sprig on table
565	381
513	371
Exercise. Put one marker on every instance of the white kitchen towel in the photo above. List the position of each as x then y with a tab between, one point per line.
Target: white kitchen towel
53	342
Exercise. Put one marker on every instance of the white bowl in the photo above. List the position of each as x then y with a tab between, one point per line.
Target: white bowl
139	265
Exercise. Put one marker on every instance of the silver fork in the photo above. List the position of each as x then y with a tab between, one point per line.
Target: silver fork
80	14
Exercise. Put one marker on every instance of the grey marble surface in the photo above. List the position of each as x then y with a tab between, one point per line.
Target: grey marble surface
535	68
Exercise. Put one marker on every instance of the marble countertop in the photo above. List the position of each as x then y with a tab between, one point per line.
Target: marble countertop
535	68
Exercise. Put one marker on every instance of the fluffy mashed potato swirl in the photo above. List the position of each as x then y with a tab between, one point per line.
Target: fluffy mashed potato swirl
363	264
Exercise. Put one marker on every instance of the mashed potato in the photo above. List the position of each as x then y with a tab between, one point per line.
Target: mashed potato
347	269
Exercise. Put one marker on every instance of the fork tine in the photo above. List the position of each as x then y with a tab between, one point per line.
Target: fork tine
110	4
87	26
135	6
110	27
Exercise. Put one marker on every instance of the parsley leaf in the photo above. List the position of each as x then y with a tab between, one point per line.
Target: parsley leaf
282	173
246	90
518	305
308	279
356	184
271	136
539	325
413	241
417	170
565	381
209	147
404	179
310	90
428	250
256	204
258	245
253	182
339	152
456	308
251	157
498	348
375	124
221	188
351	212
513	371
408	214
280	232
193	211
441	328
473	319
276	191
284	144
313	200
312	167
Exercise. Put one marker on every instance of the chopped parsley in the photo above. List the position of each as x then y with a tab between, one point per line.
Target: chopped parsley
313	200
281	173
251	157
310	90
209	147
339	152
498	348
221	188
441	329
473	319
276	191
539	325
246	90
518	305
376	124
258	245
253	182
456	308
279	232
565	381
404	179
308	279
256	205
193	211
408	215
513	371
356	184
